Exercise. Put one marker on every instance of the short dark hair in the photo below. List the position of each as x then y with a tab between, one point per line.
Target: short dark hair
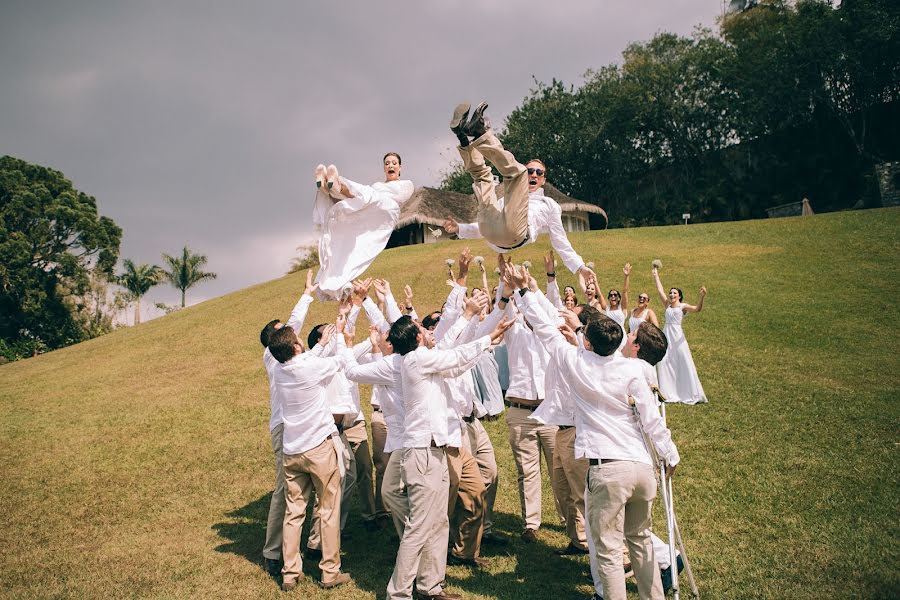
604	334
315	335
431	321
680	294
402	335
267	332
281	344
652	342
399	160
588	313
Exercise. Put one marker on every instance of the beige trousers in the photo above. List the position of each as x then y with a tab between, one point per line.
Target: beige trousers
393	492
569	480
479	444
359	446
422	556
465	505
504	222
379	457
348	482
620	497
528	440
314	469
272	547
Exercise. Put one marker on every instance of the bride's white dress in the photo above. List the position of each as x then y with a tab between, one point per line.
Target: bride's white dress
354	231
678	380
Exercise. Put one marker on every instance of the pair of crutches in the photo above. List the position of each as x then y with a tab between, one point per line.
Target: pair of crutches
665	486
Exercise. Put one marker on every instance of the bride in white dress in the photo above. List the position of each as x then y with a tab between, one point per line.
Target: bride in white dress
678	380
355	222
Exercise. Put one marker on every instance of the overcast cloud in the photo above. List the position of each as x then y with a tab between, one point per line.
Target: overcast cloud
201	122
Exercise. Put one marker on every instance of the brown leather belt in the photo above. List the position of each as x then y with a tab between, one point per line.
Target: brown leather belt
522	406
601	461
433	445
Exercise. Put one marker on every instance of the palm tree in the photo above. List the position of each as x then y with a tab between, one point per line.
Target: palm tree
138	279
184	271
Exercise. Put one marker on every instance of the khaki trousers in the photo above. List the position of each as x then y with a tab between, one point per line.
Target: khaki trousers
393	493
359	446
528	439
503	223
422	556
272	547
314	469
379	457
619	499
348	482
465	505
569	480
479	444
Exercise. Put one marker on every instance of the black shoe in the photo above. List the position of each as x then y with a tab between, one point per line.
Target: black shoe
313	554
570	550
666	575
478	124
443	595
529	536
458	123
273	566
476	563
494	539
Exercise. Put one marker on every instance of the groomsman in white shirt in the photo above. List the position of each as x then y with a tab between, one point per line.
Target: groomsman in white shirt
421	557
621	484
524	212
310	455
272	547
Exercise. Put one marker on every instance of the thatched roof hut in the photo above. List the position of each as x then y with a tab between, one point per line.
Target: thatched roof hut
428	207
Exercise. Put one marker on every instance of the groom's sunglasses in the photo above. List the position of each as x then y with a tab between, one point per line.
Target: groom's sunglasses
540	172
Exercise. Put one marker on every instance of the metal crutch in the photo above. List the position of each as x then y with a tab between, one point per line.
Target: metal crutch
668	506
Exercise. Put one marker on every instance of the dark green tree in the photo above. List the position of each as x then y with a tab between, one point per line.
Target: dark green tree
185	271
138	279
51	241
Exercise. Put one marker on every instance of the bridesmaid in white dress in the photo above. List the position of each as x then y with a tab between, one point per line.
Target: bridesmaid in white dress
615	305
355	222
678	380
642	312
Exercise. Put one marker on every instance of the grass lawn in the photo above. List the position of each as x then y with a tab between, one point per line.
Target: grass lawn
138	464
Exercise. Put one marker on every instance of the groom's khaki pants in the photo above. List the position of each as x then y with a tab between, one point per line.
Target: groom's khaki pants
502	222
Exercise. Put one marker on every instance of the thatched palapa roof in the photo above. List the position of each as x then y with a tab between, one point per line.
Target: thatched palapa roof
431	206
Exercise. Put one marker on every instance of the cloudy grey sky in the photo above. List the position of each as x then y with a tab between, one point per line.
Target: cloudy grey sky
201	122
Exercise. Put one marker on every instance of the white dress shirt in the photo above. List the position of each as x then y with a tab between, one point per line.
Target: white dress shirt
298	316
606	426
544	216
300	386
383	373
425	401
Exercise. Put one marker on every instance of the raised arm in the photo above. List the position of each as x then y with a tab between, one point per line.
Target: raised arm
464	231
651	316
552	286
560	241
627	271
544	327
298	315
659	287
688	308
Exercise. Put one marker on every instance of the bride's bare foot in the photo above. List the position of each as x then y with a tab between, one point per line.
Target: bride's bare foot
321	176
334	181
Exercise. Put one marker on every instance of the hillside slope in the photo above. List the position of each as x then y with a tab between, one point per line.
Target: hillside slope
138	464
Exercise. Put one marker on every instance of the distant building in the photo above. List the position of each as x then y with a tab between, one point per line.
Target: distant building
422	216
791	209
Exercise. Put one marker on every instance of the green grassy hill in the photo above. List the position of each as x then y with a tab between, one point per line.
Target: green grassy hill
138	464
